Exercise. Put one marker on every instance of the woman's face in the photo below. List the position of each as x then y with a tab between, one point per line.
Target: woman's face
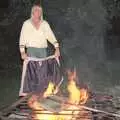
37	11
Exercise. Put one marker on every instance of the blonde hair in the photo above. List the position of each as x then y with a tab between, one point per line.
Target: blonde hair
40	8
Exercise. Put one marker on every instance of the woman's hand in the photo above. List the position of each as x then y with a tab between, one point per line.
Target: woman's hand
23	56
57	52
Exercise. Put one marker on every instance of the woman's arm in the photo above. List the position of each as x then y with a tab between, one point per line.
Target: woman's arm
52	39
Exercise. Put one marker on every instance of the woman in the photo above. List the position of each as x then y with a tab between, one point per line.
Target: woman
33	43
34	35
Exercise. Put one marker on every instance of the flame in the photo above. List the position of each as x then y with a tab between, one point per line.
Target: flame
76	95
45	116
32	102
49	90
83	96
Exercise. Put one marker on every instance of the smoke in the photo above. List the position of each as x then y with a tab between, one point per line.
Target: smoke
80	26
82	29
87	20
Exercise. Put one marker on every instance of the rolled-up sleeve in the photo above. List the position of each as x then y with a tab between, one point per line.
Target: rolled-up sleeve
50	35
22	42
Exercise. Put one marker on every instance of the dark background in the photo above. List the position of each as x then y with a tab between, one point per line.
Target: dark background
4	4
89	36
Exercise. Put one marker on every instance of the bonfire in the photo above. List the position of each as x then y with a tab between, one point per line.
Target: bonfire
62	108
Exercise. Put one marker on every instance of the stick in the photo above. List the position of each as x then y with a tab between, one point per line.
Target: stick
58	86
2	117
58	99
96	110
7	110
100	111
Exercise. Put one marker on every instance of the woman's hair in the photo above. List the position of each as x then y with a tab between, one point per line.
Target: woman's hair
40	8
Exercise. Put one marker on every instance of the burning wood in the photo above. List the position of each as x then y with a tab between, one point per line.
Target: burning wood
56	108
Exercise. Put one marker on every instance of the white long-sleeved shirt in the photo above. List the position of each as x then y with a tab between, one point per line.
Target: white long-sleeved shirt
32	37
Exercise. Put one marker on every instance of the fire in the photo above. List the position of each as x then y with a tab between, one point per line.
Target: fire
74	93
34	105
49	90
45	116
83	96
76	96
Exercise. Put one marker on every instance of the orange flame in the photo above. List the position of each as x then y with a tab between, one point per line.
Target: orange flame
76	95
49	90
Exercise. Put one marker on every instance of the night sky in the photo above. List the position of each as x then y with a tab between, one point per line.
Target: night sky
89	35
